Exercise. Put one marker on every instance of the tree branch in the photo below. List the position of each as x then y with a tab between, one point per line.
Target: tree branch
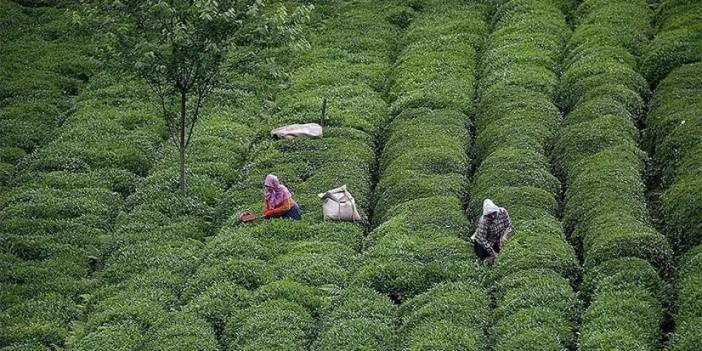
167	116
196	113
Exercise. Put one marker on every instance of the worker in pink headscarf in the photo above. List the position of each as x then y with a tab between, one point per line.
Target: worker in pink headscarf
278	201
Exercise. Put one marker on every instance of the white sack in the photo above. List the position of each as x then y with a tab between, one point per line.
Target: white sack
309	130
338	205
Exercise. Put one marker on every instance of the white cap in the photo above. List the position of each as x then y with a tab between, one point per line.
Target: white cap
489	207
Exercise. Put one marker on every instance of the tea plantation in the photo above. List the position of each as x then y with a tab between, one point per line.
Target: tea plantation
583	118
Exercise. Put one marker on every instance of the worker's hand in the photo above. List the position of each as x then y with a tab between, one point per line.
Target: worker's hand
490	260
503	240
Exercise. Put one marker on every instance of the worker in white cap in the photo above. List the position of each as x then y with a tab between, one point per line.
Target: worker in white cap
494	229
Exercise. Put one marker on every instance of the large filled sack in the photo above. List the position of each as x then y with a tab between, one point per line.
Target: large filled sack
338	204
309	130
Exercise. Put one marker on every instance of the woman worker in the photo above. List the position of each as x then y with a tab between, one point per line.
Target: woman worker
278	202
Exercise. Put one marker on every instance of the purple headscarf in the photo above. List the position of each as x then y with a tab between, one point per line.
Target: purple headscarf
277	193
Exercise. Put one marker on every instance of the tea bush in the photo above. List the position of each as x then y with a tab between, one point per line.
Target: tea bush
42	318
678	40
359	318
538	328
440	214
681	211
449	316
669	107
218	304
158	235
570	148
515	126
516	168
580	140
621	315
358	333
538	248
629	270
435	68
123	336
403	265
44	65
274	324
687	335
605	210
673	137
85	173
71	202
417	243
181	330
503	101
676	155
538	296
296	266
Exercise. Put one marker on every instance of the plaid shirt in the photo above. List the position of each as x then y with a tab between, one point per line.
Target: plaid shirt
489	231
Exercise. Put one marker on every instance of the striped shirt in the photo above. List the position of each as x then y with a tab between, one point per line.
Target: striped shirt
489	231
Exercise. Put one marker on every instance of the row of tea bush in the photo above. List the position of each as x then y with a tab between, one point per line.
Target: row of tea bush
687	335
70	151
59	215
678	40
535	305
44	61
150	274
276	284
596	153
673	63
416	253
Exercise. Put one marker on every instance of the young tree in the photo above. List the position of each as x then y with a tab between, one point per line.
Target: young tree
179	47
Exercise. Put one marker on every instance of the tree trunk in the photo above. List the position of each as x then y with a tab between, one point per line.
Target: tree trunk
181	144
323	118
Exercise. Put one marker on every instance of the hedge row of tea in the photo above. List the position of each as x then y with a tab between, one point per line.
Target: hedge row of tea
423	161
675	135
677	101
673	62
62	202
416	254
688	336
157	240
62	209
673	123
270	285
596	154
536	308
348	67
678	40
43	64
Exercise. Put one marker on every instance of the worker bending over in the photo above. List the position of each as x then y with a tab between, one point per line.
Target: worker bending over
494	229
278	201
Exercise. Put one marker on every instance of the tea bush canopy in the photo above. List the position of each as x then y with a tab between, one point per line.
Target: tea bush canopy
135	134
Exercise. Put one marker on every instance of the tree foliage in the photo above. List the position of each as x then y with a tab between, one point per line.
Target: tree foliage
180	48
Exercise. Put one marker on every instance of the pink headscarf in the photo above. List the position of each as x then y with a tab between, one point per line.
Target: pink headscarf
277	192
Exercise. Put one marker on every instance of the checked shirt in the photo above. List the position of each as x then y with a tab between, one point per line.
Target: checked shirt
490	231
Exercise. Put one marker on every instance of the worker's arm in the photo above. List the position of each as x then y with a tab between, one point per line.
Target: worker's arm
481	237
508	228
284	207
